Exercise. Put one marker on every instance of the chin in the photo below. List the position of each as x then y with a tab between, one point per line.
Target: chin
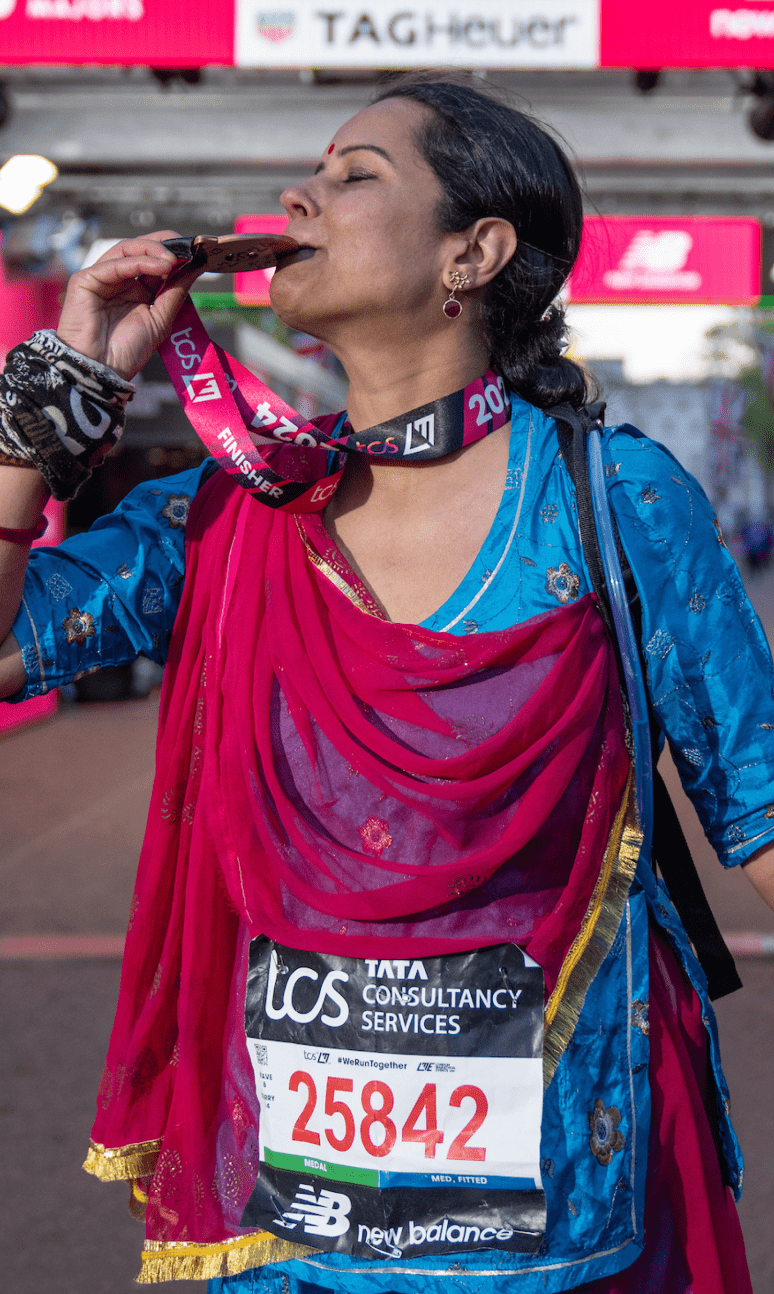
301	322
290	305
294	309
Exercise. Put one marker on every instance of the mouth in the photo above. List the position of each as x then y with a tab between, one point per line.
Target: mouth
302	253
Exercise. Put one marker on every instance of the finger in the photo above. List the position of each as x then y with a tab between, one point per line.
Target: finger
170	299
181	281
149	243
104	276
149	287
129	247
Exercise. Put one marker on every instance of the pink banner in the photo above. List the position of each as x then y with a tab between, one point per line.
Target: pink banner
193	33
27	304
252	288
664	260
691	33
161	33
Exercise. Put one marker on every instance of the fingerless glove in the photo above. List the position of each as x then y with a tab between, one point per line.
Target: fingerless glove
59	411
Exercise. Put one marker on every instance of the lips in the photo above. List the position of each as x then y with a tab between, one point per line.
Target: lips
303	253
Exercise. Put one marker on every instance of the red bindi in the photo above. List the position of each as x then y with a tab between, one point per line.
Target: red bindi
330	150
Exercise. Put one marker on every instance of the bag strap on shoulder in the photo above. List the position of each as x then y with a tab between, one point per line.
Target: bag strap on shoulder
670	848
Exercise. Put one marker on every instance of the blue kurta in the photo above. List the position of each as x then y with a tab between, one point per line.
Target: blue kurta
104	597
100	599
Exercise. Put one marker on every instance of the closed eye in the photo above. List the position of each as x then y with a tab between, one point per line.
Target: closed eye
354	176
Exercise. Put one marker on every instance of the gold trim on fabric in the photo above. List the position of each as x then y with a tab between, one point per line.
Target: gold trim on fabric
138	1200
116	1165
337	579
598	930
183	1260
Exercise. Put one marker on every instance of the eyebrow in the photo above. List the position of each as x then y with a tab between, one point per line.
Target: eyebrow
356	148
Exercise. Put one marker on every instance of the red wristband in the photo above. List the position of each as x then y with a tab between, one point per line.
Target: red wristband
24	536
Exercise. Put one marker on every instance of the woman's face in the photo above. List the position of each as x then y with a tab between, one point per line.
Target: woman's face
367	217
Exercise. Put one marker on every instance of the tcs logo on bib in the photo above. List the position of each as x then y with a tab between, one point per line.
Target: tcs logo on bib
289	1008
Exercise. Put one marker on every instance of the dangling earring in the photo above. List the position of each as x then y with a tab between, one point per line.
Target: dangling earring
452	308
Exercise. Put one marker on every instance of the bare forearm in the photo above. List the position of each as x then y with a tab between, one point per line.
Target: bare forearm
23	496
759	871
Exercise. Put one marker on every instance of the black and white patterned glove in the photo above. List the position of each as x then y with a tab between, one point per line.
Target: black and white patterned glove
59	411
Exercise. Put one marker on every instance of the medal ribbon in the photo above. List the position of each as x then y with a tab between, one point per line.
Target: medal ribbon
281	457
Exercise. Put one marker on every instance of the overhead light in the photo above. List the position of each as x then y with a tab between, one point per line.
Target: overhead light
23	179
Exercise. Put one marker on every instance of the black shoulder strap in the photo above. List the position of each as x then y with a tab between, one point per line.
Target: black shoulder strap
670	848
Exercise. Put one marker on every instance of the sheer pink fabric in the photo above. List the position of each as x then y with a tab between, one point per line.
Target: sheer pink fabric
339	783
693	1240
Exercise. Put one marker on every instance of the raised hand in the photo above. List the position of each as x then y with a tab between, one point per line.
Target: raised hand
118	311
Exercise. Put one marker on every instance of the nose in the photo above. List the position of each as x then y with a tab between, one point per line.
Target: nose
299	202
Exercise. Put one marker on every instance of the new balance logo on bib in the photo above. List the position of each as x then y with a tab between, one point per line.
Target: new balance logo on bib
401	1100
323	1215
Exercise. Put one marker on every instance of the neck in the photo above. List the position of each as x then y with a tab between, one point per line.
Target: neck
390	376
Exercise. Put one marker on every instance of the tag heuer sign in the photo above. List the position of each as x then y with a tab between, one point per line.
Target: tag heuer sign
275	26
388	34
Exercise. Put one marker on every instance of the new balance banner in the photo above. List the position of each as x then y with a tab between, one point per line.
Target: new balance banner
661	259
400	1100
691	33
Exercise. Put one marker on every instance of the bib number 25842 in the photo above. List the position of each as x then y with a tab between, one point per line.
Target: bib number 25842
400	1100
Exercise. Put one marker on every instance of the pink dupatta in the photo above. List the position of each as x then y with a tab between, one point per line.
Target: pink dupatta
343	784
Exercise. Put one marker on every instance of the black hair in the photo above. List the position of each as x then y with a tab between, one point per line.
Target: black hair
494	160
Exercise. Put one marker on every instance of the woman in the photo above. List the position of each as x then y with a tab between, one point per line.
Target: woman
392	748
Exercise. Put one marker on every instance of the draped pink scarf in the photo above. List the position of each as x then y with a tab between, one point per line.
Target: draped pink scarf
344	784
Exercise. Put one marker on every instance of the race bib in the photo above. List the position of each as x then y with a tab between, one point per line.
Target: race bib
401	1100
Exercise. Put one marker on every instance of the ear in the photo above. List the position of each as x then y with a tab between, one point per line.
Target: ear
489	245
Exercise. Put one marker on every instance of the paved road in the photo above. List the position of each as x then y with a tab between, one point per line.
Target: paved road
74	796
75	792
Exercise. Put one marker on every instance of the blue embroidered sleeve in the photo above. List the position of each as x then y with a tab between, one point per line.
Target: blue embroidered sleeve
107	596
709	665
